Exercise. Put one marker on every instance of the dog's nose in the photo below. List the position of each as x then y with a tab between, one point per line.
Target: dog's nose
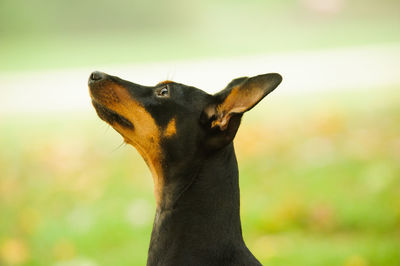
96	76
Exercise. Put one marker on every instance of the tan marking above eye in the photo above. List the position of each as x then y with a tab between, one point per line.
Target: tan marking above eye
164	82
170	130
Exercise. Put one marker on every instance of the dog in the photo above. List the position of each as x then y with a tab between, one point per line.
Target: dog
185	136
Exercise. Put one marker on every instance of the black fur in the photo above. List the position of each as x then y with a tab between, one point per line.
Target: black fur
198	219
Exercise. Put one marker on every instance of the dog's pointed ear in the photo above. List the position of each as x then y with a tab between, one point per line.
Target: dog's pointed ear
241	94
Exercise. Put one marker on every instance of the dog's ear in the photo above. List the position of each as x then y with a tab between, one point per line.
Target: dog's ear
224	113
239	96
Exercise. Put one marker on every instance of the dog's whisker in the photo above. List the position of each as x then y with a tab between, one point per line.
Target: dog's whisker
119	146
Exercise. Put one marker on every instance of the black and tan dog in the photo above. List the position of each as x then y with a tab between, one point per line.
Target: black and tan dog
185	136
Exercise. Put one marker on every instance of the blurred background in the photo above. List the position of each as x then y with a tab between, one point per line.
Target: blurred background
319	158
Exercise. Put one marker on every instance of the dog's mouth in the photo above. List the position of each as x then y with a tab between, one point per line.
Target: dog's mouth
111	116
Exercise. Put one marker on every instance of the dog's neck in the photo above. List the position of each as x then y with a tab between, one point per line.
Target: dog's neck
203	221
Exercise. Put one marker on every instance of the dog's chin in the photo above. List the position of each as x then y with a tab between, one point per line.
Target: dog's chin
110	116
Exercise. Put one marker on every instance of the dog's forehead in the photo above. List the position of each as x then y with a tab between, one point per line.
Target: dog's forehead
189	92
195	98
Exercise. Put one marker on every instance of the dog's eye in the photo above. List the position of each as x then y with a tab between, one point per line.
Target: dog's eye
163	92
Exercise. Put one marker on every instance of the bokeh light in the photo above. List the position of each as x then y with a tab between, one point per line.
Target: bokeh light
319	158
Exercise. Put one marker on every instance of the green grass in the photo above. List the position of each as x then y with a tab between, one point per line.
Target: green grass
320	185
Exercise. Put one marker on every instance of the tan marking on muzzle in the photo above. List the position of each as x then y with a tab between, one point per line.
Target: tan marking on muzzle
145	136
